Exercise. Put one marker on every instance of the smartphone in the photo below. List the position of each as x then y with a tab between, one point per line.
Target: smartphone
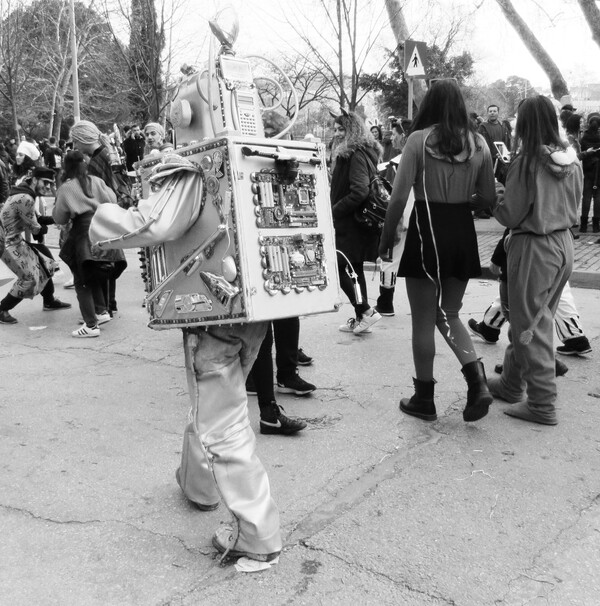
503	151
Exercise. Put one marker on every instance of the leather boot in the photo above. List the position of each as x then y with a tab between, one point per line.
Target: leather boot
421	405
583	225
596	224
479	397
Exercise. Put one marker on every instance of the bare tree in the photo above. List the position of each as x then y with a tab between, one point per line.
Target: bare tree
338	41
558	84
15	61
592	16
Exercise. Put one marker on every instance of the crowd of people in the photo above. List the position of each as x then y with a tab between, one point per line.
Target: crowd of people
450	161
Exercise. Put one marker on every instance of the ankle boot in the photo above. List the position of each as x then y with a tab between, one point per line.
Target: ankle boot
479	397
421	405
583	225
596	224
385	301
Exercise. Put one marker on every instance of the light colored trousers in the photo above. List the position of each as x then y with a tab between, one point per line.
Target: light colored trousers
543	264
219	450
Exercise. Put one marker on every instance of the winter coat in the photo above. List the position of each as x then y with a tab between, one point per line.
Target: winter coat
349	190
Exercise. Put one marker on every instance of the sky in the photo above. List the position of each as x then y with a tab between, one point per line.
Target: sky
497	49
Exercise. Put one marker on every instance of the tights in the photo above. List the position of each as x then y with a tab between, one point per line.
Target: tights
427	314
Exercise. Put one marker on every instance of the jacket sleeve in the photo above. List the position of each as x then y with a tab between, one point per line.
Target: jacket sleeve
359	187
514	200
61	211
484	133
27	214
107	194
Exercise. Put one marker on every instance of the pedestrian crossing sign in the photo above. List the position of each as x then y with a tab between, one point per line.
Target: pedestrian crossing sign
415	57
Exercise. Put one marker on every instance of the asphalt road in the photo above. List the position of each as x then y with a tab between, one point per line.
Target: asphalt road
376	507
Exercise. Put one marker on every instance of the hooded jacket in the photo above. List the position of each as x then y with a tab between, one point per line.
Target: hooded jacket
545	199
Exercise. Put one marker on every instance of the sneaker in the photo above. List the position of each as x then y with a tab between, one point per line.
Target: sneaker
100	318
56	304
69	284
303	359
350	325
6	318
296	385
486	333
284	426
85	332
223	539
369	318
575	347
250	386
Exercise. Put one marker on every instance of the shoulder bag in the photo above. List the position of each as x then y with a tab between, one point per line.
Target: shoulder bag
371	214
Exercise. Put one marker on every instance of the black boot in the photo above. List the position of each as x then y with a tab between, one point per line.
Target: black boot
421	405
583	225
385	301
596	224
479	397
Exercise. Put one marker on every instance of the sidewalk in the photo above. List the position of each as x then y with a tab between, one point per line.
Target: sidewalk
586	266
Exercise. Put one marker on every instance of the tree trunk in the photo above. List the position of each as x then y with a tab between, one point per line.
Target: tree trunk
592	16
400	30
538	52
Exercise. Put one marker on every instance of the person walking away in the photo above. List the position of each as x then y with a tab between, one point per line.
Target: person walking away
539	204
355	155
77	199
590	158
90	141
449	166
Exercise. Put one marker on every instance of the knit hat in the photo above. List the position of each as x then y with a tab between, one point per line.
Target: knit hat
85	132
29	149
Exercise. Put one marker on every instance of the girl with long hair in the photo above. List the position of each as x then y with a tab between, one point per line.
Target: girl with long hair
77	199
449	166
539	204
354	157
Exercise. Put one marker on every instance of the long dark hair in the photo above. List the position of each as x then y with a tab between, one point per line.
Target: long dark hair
75	167
25	167
444	106
537	125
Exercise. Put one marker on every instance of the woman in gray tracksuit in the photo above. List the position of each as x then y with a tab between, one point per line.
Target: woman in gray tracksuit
539	205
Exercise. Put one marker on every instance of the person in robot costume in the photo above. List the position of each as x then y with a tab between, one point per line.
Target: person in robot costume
219	461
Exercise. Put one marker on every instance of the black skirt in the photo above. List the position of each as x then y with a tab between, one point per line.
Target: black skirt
452	246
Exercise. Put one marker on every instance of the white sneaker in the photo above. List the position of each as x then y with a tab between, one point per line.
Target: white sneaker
85	332
350	325
368	319
100	318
